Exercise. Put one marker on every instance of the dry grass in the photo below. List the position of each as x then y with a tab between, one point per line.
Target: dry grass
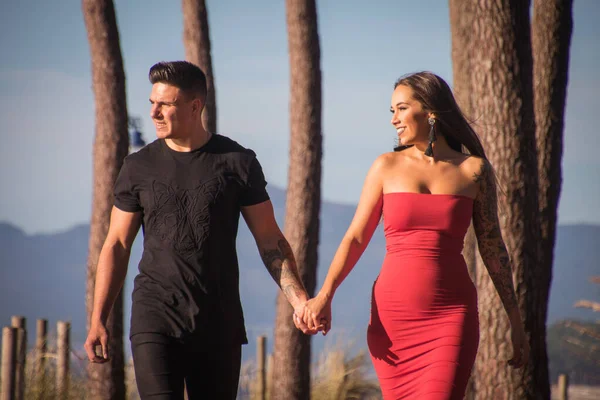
337	375
44	386
579	392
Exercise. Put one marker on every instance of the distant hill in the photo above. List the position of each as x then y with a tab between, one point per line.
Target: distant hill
574	349
576	259
44	276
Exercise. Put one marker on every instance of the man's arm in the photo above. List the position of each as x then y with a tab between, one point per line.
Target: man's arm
110	276
276	253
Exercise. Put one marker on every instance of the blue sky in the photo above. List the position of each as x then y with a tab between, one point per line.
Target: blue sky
47	109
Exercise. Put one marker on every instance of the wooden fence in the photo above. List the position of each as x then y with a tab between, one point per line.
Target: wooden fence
14	357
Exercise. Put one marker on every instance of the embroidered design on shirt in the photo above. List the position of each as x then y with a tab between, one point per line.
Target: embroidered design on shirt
181	217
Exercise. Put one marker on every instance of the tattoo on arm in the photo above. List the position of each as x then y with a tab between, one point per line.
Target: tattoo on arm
281	265
489	237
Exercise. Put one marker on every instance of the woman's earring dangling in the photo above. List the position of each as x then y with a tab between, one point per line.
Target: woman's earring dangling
432	137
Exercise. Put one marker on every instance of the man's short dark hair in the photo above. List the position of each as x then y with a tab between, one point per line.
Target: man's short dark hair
184	75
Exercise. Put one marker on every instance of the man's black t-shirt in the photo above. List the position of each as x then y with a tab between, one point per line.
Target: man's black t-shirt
188	281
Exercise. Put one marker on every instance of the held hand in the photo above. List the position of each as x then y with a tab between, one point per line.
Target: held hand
302	326
520	347
297	317
97	336
317	313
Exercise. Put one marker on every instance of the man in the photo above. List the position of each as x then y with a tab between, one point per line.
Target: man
187	189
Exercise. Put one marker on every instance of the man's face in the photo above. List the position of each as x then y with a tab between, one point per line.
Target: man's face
172	111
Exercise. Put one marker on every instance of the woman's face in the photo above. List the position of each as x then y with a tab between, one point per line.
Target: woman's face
409	119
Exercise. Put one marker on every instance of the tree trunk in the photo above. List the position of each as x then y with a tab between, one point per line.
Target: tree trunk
106	381
501	83
551	37
291	358
196	41
461	15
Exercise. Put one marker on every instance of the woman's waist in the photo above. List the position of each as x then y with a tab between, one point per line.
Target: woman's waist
442	268
433	254
419	285
423	242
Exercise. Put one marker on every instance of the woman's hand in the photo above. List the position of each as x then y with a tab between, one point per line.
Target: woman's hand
297	316
520	346
317	313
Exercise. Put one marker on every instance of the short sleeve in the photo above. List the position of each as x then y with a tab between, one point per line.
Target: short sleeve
255	191
124	197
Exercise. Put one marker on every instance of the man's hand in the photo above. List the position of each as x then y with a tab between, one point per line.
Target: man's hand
97	336
302	326
298	317
317	313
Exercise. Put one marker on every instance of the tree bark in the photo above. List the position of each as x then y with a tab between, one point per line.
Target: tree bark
111	145
461	15
196	40
291	358
551	37
501	83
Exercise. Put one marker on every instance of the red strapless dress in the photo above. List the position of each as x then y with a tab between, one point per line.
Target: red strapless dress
424	329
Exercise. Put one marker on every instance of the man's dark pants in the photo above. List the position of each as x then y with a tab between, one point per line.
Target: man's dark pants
162	364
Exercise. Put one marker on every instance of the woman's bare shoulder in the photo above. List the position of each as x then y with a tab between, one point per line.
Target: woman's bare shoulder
385	160
474	166
389	161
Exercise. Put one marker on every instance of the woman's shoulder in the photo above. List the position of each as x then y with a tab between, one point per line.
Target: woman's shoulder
387	160
477	168
472	163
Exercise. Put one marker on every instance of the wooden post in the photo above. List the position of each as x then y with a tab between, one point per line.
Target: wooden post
41	346
9	360
62	358
20	323
269	374
563	387
261	371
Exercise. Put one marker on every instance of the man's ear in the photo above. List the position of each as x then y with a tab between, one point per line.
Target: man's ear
197	106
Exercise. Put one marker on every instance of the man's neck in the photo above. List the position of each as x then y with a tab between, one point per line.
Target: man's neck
196	140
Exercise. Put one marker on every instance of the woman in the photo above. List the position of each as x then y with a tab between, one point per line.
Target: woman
424	329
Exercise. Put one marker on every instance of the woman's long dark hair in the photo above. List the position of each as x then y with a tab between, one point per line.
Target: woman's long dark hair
436	97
